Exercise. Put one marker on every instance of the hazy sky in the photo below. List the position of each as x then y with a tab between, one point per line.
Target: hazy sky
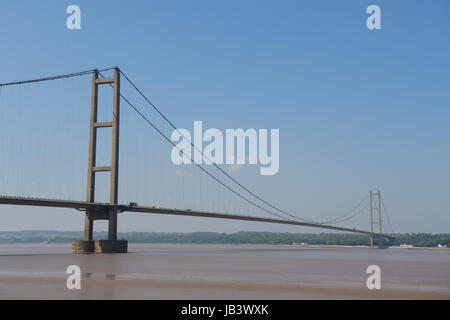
357	109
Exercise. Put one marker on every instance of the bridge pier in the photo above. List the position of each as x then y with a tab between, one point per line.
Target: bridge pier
105	212
382	242
99	246
90	245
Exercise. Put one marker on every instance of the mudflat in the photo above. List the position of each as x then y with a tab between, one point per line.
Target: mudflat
204	271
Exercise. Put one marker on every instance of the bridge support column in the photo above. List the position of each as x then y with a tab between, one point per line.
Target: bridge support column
88	226
112	226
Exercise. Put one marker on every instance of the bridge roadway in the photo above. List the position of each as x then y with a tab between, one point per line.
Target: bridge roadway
81	206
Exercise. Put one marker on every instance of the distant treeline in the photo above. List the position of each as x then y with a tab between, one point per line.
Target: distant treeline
416	239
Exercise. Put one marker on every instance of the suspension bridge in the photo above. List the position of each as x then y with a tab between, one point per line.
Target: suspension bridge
108	210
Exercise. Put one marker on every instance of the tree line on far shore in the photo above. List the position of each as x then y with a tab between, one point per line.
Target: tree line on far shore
415	239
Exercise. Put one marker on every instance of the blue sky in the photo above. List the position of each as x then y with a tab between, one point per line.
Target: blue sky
357	109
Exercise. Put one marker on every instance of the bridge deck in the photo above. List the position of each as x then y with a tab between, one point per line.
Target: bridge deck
80	205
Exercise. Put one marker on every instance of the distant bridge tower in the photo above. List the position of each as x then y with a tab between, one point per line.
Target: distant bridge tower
375	206
88	244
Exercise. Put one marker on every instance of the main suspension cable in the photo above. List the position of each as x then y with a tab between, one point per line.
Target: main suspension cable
199	166
62	76
215	165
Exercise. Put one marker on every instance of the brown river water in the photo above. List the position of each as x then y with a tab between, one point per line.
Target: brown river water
206	271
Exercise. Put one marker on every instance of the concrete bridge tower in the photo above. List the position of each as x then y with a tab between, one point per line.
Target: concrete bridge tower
88	244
